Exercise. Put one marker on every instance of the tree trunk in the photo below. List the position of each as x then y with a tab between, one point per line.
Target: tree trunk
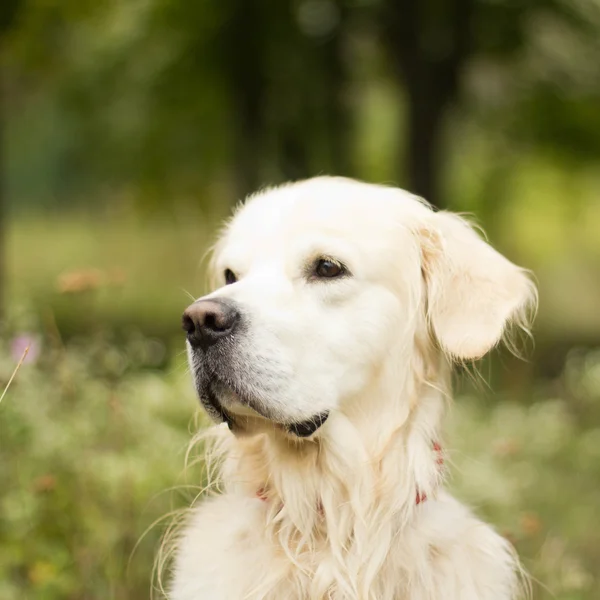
293	155
2	197
428	44
338	116
244	53
8	12
424	143
247	152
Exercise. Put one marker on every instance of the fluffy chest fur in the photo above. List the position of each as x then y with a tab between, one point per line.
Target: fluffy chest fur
331	543
338	519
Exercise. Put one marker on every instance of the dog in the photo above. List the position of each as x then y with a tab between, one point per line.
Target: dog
324	353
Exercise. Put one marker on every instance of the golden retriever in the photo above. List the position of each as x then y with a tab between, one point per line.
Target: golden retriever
324	352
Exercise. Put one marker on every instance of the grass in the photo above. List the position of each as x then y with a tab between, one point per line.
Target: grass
88	451
14	373
92	442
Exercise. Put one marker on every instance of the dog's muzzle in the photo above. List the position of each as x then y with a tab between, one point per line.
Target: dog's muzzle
208	323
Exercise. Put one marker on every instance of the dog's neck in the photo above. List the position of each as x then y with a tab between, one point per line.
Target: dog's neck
360	479
372	458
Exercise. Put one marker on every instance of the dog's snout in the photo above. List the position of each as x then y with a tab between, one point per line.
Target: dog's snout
208	321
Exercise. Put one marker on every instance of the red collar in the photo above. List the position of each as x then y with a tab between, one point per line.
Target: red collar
261	493
421	497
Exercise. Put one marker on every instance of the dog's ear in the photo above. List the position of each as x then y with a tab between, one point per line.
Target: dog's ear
473	292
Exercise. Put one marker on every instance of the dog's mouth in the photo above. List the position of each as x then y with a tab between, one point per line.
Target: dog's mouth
227	403
309	426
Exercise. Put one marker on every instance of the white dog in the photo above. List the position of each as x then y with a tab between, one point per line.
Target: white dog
325	353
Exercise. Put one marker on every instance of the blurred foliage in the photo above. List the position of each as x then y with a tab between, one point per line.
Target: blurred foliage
112	273
93	437
171	101
533	469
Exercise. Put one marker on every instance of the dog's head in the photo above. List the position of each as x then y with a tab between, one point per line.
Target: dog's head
321	284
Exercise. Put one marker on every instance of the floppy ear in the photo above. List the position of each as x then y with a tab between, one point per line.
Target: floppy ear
473	292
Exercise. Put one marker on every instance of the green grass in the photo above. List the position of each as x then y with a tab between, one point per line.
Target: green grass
92	438
88	450
533	471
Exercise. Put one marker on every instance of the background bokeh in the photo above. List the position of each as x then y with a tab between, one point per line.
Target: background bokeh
130	128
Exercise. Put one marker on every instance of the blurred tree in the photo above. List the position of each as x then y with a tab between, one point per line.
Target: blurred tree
185	93
243	46
162	98
311	117
8	11
430	43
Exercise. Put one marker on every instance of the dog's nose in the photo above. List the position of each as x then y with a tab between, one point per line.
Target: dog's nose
208	321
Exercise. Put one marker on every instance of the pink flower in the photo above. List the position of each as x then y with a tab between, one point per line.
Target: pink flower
20	343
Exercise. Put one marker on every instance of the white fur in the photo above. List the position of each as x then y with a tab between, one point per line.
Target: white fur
341	520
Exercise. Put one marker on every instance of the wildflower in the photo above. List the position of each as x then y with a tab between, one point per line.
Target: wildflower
20	344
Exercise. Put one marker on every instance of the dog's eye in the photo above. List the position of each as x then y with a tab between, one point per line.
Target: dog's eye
229	277
328	269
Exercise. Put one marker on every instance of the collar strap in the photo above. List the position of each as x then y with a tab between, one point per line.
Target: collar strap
421	497
262	494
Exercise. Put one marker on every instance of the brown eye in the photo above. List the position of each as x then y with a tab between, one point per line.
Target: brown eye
230	277
328	269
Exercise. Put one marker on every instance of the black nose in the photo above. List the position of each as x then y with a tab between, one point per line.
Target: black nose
208	321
